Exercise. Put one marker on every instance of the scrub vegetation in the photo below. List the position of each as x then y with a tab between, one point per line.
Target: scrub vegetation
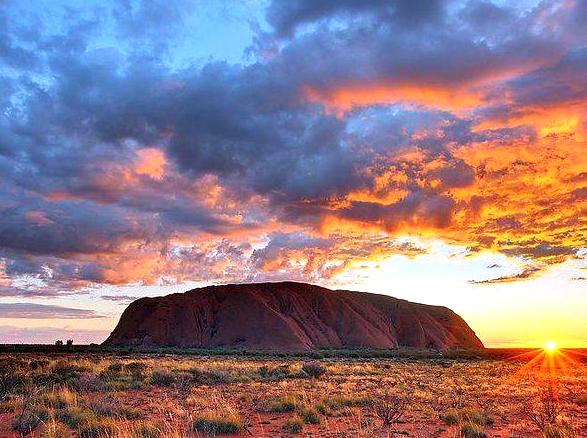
46	394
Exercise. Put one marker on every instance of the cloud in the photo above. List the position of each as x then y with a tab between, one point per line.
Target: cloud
285	16
44	311
119	166
121	299
525	274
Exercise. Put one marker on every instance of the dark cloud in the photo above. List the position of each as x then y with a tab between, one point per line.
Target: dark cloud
285	16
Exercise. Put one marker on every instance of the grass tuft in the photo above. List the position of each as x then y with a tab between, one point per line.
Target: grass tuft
293	425
213	423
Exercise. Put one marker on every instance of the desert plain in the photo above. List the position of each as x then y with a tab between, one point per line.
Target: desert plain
501	393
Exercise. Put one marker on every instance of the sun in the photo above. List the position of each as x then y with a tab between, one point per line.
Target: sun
550	347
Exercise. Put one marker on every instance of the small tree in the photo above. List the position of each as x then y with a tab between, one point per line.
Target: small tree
70	342
59	343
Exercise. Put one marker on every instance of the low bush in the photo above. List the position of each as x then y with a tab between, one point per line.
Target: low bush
391	407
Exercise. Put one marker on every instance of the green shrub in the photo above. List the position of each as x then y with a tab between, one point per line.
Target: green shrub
293	425
214	423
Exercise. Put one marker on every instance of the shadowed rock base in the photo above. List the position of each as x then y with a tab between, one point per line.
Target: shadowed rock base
288	316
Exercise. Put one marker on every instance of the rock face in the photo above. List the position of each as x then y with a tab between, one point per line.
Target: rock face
288	316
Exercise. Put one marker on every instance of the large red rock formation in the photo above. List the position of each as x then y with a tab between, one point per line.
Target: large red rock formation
288	316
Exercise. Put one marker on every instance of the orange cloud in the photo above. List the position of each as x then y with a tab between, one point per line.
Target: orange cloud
344	98
150	162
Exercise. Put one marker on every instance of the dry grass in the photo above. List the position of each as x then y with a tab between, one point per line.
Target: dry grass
180	396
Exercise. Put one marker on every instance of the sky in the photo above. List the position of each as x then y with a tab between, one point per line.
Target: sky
432	150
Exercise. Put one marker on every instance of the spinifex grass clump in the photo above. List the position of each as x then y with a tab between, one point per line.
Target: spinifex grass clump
97	428
29	419
214	423
467	415
309	415
347	401
314	370
284	404
293	425
161	377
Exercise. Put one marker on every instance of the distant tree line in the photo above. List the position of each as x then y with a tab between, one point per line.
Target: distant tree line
59	343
